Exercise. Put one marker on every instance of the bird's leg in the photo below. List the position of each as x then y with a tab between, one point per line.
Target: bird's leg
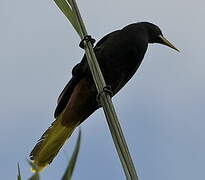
107	90
86	38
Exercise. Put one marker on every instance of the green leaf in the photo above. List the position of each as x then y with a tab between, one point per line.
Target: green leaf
36	174
71	165
19	172
35	177
66	8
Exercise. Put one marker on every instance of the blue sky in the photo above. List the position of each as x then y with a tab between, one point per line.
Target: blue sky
161	109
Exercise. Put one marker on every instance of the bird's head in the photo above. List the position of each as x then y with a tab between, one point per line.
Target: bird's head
155	35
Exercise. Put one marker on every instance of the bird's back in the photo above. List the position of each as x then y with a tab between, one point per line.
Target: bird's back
119	55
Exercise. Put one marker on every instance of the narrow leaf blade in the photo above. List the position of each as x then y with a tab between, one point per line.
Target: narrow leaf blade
71	165
65	7
19	172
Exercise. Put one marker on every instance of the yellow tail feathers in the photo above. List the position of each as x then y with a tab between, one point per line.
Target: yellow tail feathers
50	143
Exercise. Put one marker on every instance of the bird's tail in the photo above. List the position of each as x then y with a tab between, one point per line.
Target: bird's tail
50	143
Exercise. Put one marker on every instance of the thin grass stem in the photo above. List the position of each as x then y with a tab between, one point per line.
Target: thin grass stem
106	102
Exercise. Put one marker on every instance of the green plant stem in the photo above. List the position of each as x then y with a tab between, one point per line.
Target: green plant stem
106	102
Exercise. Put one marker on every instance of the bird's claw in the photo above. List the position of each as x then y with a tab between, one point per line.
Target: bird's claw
106	90
87	38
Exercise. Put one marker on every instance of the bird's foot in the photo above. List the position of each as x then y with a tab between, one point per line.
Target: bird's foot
87	38
106	90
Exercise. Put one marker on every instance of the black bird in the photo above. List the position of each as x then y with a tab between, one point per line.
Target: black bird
119	55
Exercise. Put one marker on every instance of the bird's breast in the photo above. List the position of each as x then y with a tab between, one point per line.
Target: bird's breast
119	67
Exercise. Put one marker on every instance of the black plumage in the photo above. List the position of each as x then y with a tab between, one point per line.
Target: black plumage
119	55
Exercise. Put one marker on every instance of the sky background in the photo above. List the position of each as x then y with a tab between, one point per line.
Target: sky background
161	109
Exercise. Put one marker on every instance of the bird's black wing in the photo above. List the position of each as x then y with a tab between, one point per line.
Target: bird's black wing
78	72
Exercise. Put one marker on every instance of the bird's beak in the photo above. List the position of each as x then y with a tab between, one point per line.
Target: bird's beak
167	43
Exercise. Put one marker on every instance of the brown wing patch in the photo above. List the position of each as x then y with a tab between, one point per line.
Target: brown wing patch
81	104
